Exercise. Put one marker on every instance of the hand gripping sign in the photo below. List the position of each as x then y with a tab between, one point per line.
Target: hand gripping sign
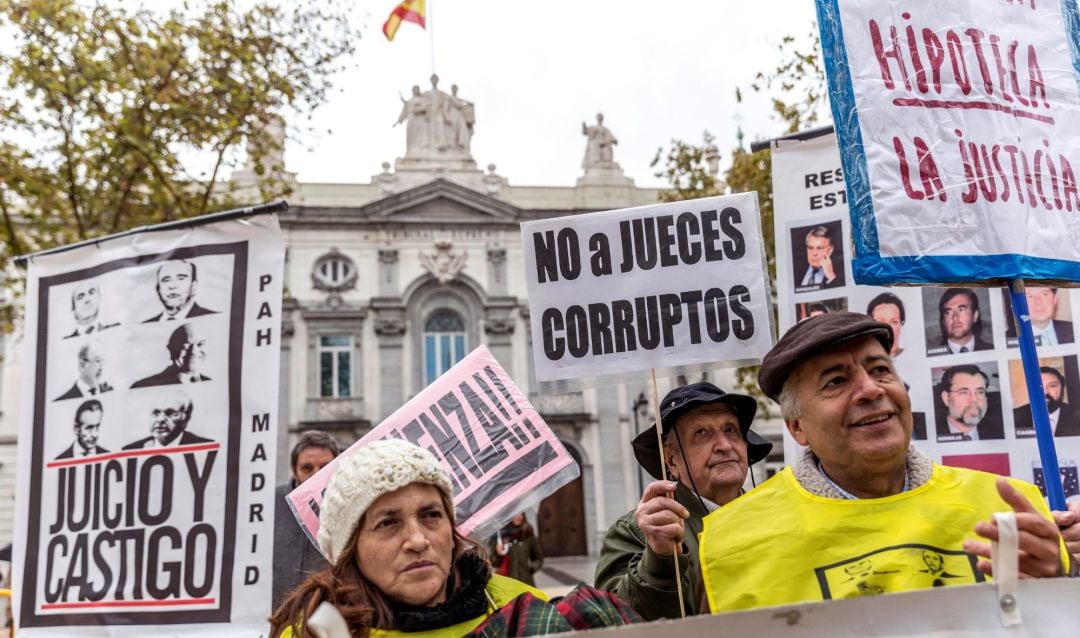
501	456
670	285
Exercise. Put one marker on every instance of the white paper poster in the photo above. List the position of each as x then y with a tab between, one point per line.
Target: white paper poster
147	434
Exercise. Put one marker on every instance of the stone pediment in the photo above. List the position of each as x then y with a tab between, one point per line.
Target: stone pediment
441	201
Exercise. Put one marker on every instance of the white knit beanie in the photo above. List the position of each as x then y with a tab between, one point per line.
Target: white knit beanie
363	476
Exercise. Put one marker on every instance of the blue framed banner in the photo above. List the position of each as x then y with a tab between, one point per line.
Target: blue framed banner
959	132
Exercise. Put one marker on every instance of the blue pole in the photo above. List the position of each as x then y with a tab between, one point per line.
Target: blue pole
1039	413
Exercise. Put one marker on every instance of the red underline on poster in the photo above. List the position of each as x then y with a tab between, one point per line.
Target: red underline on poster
131	603
985	106
129	453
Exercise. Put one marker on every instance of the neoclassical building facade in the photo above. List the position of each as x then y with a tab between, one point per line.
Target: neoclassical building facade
389	283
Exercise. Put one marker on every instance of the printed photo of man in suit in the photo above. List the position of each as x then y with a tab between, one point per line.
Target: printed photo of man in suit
91	369
169	415
823	266
187	353
87	428
969	411
961	323
1064	417
85	307
1043	307
177	281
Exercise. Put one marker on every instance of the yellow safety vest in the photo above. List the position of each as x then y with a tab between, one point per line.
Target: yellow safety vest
780	544
501	589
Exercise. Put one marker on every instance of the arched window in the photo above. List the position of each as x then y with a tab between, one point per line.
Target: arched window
334	272
444	343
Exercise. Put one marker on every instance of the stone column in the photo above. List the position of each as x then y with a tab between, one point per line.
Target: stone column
288	329
496	257
388	272
499	330
390	333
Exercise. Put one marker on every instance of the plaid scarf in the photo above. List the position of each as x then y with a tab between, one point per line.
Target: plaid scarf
583	608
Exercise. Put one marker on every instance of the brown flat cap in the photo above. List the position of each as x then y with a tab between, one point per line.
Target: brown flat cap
811	337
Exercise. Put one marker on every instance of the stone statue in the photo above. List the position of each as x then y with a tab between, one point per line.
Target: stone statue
461	116
599	151
415	111
438	125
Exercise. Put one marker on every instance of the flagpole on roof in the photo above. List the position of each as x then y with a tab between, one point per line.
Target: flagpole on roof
431	32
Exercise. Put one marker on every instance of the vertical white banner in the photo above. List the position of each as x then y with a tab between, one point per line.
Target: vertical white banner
147	439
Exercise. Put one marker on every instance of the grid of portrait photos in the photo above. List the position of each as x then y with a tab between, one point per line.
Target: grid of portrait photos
135	406
956	349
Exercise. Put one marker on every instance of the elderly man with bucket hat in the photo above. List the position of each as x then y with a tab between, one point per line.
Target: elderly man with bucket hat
708	447
859	511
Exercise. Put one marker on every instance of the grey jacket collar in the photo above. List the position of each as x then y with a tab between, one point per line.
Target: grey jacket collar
919	466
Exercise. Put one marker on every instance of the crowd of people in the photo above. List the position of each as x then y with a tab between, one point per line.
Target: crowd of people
859	512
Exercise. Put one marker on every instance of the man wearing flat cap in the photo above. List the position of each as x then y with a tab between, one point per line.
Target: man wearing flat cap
708	447
856	512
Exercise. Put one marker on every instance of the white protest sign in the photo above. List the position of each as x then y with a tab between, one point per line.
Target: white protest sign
959	125
501	456
147	434
668	285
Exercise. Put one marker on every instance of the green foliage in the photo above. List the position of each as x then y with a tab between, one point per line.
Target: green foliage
797	85
686	168
103	110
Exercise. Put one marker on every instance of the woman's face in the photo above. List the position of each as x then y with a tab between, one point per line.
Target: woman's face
405	545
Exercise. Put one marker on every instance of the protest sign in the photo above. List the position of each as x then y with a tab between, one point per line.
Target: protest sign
668	285
148	434
805	173
959	125
501	456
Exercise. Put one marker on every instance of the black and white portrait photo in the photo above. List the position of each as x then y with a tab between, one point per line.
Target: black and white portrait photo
187	355
90	379
177	283
88	418
86	308
168	417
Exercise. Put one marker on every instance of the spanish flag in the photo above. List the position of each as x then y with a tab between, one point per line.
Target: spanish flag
407	11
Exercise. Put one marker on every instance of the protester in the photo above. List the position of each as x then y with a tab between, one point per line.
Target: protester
708	446
859	511
399	566
515	551
295	558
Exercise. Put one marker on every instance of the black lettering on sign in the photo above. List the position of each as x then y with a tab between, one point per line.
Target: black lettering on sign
557	255
735	246
264	311
600	261
551	323
262	337
264	281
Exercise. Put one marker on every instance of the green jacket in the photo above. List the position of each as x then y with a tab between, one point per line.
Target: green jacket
526	558
630	570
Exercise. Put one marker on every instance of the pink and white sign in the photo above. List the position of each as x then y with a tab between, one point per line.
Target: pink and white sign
501	456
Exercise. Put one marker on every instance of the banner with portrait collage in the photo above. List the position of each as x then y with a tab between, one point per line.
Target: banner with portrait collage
957	347
148	434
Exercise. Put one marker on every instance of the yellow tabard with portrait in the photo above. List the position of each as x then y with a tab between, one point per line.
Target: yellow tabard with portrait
780	544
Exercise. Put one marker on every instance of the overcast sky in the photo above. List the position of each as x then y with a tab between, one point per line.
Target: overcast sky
536	70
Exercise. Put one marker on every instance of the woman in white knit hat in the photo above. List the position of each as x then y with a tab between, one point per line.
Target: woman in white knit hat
398	563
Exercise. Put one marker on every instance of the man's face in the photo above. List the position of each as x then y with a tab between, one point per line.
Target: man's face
86	302
1054	391
91	365
958	317
87	429
192	353
715	452
175	286
855	411
309	461
170	419
889	313
966	400
818	249
1042	304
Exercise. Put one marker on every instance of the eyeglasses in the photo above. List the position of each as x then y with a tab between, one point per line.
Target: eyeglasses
966	393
